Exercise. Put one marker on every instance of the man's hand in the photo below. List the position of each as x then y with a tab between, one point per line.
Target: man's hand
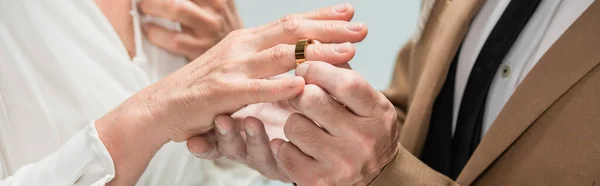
357	137
345	132
204	23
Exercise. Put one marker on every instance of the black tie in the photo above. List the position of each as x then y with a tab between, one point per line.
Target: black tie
448	154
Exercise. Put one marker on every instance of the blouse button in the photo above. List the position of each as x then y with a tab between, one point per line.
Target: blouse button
505	71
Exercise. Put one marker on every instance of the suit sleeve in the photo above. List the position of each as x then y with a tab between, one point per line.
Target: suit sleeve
405	169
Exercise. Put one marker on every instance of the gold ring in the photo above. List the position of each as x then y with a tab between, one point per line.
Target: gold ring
300	48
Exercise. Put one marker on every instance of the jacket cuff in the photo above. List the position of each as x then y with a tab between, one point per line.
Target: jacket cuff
407	169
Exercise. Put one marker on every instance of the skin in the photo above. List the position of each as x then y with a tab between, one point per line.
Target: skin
117	13
350	145
204	23
226	78
339	131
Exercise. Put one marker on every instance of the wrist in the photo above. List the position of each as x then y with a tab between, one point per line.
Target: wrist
133	126
131	140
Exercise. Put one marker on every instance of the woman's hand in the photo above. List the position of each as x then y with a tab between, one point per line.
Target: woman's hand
231	75
204	23
226	78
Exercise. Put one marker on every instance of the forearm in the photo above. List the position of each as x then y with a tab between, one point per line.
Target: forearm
132	140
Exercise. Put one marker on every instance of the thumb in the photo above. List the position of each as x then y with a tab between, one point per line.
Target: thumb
264	90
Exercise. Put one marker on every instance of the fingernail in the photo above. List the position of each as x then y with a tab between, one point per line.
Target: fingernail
249	132
342	48
220	129
341	8
201	155
355	27
301	69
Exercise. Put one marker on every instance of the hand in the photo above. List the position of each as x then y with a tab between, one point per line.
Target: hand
238	145
204	23
229	76
237	138
357	136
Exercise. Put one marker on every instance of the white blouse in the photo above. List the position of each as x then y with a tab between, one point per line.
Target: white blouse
62	66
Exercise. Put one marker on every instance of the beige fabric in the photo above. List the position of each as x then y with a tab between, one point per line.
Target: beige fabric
547	134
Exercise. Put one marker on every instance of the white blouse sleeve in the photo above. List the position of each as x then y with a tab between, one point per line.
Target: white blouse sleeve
83	160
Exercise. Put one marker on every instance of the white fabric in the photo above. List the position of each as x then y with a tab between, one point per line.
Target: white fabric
549	22
62	66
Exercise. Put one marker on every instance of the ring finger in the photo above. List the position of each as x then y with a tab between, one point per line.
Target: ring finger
281	58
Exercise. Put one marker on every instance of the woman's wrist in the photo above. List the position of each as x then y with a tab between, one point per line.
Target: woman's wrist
131	139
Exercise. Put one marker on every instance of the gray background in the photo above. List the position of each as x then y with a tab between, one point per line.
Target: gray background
390	23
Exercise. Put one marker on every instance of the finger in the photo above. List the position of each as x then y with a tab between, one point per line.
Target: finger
265	90
176	42
347	86
225	9
232	18
307	136
291	31
216	5
229	141
293	161
342	12
319	106
281	58
204	146
186	12
259	155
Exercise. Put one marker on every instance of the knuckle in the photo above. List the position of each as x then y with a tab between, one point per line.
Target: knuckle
348	170
287	18
234	154
278	53
255	87
178	42
256	162
389	114
287	163
312	95
251	90
291	26
174	7
291	122
214	23
352	81
329	27
219	5
317	51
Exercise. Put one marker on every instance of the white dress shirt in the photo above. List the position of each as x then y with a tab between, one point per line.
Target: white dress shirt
62	65
548	23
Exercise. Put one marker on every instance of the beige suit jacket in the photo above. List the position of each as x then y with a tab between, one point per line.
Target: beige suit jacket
547	134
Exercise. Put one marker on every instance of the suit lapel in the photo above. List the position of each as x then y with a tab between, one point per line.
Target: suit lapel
570	58
446	24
